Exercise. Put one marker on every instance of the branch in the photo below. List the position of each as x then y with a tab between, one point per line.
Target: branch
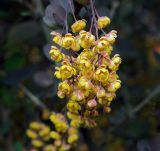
114	8
32	97
155	92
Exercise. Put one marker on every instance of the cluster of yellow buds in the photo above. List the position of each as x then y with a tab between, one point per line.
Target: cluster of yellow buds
89	78
39	133
59	139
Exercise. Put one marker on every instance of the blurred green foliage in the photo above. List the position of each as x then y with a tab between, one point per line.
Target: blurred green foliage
133	123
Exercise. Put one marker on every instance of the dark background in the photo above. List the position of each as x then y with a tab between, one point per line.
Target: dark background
26	73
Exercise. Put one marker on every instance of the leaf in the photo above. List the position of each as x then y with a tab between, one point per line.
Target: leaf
43	79
7	99
54	14
62	3
48	18
15	62
23	31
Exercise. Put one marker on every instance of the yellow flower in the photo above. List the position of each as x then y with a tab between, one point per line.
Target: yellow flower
84	83
101	92
77	95
59	122
103	22
54	135
78	25
68	41
92	103
76	123
114	86
55	54
76	44
71	115
56	37
61	94
116	59
84	64
85	54
31	134
115	62
61	127
86	39
49	148
72	131
101	75
37	143
64	72
73	107
101	45
35	126
110	96
72	138
64	87
111	36
44	132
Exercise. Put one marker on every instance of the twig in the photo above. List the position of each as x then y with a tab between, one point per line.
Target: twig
147	100
66	23
94	17
72	9
32	97
138	107
114	8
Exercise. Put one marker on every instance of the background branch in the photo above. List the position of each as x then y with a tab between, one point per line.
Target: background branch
32	97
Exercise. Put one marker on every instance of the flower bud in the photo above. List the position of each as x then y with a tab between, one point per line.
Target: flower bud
54	135
92	103
103	22
55	54
111	36
37	143
31	134
78	25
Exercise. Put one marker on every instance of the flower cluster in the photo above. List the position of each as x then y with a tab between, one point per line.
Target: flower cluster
59	139
88	77
39	133
88	82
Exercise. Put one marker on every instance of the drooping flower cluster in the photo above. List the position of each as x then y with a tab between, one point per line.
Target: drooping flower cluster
88	77
88	82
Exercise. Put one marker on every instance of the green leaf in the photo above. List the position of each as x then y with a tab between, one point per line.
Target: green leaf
15	62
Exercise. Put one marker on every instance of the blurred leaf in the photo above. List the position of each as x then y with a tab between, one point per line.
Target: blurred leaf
54	14
7	97
23	31
62	3
15	62
43	79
